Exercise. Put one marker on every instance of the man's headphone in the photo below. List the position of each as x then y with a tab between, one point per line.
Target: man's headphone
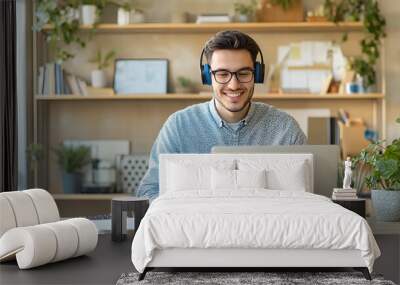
259	70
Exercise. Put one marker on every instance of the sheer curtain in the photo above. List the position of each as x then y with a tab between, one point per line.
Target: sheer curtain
8	97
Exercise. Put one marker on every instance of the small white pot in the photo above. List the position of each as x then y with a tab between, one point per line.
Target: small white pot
88	14
99	79
73	14
243	18
123	17
137	17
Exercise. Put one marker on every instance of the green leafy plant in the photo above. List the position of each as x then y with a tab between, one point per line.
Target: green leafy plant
185	82
71	159
374	23
374	26
245	9
64	26
103	61
384	163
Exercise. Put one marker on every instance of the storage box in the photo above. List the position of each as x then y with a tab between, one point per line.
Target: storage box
352	139
275	13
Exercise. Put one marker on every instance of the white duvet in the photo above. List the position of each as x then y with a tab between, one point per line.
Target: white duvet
250	219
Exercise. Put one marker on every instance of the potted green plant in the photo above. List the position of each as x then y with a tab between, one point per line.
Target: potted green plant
99	79
185	85
245	12
72	159
374	27
92	10
383	178
124	11
64	20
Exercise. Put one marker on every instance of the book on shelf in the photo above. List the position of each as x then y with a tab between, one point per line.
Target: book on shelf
52	80
83	87
340	193
341	190
213	18
342	197
73	84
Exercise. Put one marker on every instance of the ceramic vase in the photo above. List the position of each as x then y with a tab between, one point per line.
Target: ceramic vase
99	79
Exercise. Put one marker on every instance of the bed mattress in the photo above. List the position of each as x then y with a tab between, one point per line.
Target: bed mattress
252	219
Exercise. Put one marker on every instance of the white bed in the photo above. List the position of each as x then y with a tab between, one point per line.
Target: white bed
247	210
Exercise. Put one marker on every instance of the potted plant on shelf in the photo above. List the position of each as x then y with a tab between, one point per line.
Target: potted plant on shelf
383	178
244	12
99	79
374	26
64	21
185	85
92	10
124	11
71	160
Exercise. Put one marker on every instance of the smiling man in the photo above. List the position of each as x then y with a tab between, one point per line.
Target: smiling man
230	118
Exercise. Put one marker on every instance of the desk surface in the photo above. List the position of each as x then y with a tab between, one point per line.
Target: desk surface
102	266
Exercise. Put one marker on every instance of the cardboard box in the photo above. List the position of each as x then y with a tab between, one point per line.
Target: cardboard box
352	139
275	13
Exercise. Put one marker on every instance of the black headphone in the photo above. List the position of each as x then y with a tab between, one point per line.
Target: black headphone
259	70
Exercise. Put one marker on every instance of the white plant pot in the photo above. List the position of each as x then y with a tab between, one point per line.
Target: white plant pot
243	18
137	17
123	17
88	14
73	14
99	79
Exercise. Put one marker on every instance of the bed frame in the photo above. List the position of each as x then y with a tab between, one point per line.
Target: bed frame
246	258
242	259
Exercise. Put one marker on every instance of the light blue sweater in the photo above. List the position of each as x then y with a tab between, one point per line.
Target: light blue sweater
196	129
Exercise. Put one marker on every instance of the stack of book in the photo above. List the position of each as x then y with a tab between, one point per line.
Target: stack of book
344	194
52	80
213	18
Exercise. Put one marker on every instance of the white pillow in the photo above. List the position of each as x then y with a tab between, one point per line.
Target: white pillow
251	178
223	179
292	175
294	180
190	176
237	179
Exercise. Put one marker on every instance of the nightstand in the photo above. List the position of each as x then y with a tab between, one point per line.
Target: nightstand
355	205
120	206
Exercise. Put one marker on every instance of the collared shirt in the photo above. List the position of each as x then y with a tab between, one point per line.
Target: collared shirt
198	128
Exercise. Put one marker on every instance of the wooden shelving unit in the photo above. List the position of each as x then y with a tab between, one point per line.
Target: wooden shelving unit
211	27
270	96
138	117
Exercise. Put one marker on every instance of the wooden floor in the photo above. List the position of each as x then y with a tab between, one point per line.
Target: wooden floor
103	266
110	259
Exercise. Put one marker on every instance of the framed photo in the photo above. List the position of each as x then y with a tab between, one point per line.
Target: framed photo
140	76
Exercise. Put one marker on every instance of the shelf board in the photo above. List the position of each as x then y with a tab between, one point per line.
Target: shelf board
84	196
213	27
202	96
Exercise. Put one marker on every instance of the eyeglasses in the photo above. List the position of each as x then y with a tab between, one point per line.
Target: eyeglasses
224	76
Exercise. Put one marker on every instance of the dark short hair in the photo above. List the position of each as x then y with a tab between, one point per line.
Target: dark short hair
231	40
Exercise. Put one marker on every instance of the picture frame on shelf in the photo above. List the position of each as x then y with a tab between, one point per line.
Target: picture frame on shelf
140	76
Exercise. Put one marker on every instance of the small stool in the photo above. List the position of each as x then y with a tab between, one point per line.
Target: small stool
120	206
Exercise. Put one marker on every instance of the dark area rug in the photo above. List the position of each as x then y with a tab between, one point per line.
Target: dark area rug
243	278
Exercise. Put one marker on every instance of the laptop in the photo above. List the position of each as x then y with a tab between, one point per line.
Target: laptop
326	161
